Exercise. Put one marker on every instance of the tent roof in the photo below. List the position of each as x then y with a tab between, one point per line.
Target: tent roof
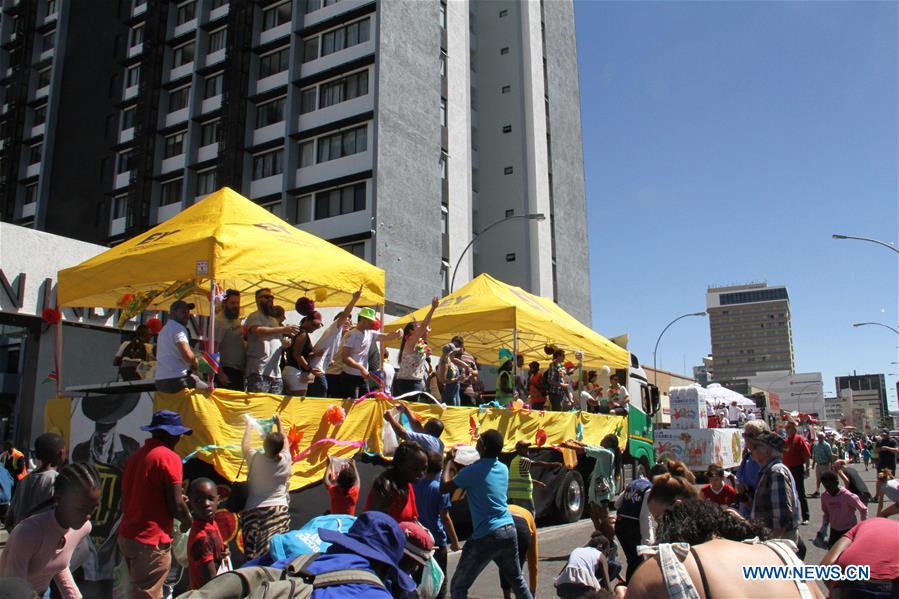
230	239
485	312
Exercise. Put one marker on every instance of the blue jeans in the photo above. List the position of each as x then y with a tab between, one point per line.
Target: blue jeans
258	383
451	394
500	547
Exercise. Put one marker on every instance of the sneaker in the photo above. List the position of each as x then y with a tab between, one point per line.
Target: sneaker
815	494
804	522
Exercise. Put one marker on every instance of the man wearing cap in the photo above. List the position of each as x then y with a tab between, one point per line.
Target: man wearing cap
264	333
151	500
374	543
776	502
230	343
417	556
174	358
354	355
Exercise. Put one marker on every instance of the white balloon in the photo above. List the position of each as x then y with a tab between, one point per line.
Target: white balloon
605	371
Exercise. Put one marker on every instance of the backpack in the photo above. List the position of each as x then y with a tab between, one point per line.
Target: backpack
293	582
135	350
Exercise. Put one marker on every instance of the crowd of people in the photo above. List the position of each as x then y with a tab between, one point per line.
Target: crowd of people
675	537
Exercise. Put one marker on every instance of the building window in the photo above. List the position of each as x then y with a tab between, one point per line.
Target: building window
274	207
270	113
307	153
217	40
273	63
507	170
128	115
276	15
268	164
444	220
119	206
443	112
183	55
136	36
507	128
307	100
170	192
314	5
341	90
442	63
51	8
507	89
217	4
40	115
503	13
174	145
510	257
186	12
442	165
213	85
357	249
345	37
343	200
132	76
47	41
30	194
43	77
310	49
345	143
123	162
34	154
210	133
443	15
178	98
504	50
205	182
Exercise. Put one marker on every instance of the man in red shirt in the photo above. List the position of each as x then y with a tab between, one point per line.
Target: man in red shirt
151	499
795	457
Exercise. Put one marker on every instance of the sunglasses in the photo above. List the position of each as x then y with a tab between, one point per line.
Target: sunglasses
266	297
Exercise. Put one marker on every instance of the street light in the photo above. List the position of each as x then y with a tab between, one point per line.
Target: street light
655	372
538	217
883	243
879	324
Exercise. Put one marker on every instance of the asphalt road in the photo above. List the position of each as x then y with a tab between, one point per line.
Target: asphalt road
556	542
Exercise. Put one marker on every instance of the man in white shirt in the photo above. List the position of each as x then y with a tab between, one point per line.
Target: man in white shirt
264	347
230	343
354	355
174	358
329	344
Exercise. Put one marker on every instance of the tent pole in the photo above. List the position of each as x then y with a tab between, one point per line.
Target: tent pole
515	358
381	349
210	328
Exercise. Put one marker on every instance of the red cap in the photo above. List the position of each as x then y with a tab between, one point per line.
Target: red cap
419	542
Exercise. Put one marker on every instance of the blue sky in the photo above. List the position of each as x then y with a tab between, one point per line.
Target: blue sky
724	142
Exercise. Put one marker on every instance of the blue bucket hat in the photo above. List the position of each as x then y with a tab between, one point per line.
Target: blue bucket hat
168	421
375	536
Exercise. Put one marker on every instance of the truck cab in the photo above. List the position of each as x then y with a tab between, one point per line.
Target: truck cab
645	401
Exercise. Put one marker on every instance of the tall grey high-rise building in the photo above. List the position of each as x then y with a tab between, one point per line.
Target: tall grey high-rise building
396	129
750	330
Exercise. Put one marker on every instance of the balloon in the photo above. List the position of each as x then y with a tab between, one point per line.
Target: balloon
376	325
305	306
540	438
51	315
155	325
605	370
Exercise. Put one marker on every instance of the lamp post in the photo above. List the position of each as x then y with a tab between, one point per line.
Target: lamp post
879	324
883	243
655	372
538	217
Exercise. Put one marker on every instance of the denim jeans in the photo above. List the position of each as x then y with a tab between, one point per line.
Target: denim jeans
451	394
318	387
403	386
258	383
500	547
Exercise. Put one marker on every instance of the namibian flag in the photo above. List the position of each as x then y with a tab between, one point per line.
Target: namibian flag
51	377
209	363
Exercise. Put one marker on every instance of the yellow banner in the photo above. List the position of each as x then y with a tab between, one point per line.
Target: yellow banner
217	419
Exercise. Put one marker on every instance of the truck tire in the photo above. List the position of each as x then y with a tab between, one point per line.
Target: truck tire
571	498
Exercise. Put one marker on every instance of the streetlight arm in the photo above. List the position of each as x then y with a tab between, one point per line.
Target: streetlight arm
655	372
475	238
879	324
883	243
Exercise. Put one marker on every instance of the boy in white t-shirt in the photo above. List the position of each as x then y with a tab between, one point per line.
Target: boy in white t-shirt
354	355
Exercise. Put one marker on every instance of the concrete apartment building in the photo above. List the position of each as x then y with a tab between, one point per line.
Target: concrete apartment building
394	129
864	399
750	330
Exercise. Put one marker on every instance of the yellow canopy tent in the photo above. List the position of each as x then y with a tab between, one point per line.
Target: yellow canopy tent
227	239
490	314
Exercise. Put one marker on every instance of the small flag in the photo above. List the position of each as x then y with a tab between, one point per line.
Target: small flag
209	363
51	377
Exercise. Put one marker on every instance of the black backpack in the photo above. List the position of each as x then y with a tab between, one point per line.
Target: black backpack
135	350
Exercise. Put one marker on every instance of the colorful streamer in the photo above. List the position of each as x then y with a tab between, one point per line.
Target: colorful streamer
207	448
308	450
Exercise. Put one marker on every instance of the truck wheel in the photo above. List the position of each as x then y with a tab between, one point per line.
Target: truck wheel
571	498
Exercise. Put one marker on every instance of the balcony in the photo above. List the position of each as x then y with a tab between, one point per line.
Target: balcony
214	57
179	116
266	186
271	82
46	55
117	226
335	59
28	210
185	27
126	135
130	92
174	163
327	12
211	104
218	13
122	180
344	225
135	50
164	213
269	133
208	152
38	130
270	35
333	169
139	9
42	92
33	170
182	71
337	112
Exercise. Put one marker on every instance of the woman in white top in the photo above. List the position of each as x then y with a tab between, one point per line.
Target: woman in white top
266	512
413	355
887	487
